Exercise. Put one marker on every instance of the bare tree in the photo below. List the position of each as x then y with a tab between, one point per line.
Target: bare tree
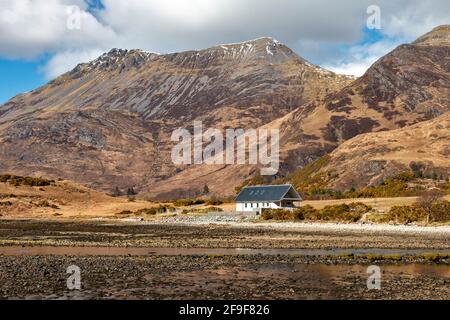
428	200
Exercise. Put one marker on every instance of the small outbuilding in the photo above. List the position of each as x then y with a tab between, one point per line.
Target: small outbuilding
255	199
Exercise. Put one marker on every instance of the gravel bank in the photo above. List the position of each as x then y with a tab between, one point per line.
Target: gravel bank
216	277
219	235
239	222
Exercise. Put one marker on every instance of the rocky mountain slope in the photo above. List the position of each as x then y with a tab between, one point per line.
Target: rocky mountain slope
369	159
108	123
407	86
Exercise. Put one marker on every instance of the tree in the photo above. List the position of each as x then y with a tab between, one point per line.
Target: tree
206	189
428	200
117	192
131	192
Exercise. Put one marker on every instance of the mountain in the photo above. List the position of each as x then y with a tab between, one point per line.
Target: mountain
369	159
407	86
108	123
260	80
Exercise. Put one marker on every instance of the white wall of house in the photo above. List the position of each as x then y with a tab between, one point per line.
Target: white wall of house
255	206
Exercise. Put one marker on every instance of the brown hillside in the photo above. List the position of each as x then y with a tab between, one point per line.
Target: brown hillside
108	123
371	158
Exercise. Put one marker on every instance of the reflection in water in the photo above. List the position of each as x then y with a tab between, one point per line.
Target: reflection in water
442	271
118	251
291	281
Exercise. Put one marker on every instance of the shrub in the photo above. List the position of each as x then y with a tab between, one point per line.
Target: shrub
149	212
26	181
303	212
392	257
343	213
405	214
434	257
188	202
267	215
125	213
436	212
4	178
380	257
214	202
131	192
372	257
165	209
46	204
277	214
205	210
440	211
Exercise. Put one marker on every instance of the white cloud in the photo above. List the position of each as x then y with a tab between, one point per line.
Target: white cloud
174	25
413	18
61	62
360	57
31	27
356	68
313	28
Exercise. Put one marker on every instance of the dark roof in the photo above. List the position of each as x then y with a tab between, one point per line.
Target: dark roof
268	193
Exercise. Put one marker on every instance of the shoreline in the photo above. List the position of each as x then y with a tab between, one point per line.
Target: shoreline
204	221
139	271
325	226
218	277
342	257
226	235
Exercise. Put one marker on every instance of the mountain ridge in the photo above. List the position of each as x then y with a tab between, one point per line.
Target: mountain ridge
407	86
108	123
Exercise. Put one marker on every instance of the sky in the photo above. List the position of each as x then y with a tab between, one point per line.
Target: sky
42	39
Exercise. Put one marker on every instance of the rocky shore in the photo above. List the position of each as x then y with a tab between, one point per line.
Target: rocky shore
172	235
217	277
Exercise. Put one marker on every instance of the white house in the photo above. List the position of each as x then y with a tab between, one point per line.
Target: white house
256	199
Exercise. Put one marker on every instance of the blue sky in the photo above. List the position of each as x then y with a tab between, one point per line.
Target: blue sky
23	75
18	77
36	45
